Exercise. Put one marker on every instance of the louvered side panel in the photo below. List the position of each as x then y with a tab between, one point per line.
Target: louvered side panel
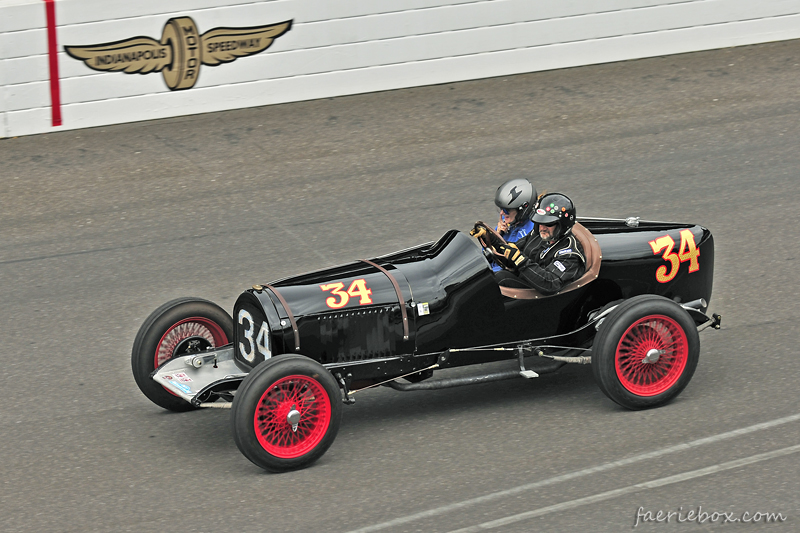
358	335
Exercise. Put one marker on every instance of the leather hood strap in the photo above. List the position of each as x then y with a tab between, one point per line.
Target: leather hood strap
292	321
399	295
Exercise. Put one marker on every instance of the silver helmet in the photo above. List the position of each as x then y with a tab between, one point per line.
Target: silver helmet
516	194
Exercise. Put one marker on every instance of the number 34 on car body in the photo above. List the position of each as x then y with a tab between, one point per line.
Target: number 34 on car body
687	251
260	343
340	298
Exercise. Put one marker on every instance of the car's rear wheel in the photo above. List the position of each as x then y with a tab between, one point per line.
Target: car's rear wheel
646	352
286	413
179	327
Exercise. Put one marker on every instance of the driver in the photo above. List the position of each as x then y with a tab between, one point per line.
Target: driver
515	199
548	258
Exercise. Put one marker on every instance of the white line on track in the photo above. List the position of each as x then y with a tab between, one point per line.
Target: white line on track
629	490
577	474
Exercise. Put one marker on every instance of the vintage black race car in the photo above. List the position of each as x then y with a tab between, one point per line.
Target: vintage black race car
297	349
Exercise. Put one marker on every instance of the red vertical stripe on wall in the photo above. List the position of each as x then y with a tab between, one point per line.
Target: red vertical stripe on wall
52	48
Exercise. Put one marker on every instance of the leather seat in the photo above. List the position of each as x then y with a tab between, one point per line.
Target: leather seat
593	254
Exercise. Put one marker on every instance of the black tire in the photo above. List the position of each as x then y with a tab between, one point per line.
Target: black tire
178	327
273	389
645	352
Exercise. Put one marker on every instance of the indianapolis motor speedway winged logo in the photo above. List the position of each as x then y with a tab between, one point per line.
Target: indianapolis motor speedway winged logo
181	50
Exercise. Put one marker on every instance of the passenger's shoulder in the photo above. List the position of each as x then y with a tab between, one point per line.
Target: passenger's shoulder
570	247
520	231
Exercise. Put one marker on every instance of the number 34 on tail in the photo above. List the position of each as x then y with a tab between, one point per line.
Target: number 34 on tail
687	251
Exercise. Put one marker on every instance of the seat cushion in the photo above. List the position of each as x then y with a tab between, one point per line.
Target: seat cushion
593	255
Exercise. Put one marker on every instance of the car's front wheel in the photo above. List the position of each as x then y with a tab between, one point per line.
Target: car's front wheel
286	413
645	352
179	327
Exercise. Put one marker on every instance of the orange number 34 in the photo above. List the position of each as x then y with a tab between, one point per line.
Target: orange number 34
340	298
686	252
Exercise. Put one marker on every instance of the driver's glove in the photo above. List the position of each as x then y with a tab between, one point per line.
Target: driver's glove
512	253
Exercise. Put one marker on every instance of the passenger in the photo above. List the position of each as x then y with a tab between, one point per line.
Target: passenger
515	199
548	258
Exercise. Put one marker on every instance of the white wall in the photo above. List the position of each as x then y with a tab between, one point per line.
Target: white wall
338	47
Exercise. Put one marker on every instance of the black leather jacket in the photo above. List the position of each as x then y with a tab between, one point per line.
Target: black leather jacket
548	267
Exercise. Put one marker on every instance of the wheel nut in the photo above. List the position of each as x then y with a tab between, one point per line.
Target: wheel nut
652	356
293	418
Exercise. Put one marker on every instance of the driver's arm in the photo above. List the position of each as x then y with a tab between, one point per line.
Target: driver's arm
520	244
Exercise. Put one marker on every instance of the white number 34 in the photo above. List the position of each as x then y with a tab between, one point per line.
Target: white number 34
261	342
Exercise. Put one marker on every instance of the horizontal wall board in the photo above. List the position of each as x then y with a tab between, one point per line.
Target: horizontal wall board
21	15
23	43
79	11
24	14
23	70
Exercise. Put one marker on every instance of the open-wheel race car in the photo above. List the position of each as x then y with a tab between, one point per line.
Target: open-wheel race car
297	349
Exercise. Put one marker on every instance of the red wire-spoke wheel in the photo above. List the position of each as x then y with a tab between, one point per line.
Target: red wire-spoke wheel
190	335
645	352
286	413
179	327
651	355
292	416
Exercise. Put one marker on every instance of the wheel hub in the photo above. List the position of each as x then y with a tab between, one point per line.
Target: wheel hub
652	356
191	345
293	418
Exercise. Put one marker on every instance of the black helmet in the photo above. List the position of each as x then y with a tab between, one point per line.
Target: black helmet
555	208
516	194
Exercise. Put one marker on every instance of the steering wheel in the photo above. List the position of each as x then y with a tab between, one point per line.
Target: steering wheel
488	238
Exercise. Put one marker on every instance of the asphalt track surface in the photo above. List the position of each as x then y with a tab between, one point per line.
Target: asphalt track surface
99	227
